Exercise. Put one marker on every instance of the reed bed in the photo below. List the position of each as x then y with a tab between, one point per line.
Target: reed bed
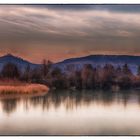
23	88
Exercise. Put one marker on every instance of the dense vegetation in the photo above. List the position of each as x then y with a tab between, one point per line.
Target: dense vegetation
89	77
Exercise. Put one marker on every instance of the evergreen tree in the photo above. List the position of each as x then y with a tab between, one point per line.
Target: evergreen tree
126	70
10	70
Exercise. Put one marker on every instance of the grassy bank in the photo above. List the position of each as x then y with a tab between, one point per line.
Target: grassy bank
16	87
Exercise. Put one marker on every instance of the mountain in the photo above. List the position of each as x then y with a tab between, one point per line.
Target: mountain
22	64
77	63
95	60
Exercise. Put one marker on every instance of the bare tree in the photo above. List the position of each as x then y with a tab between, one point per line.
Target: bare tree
87	76
46	67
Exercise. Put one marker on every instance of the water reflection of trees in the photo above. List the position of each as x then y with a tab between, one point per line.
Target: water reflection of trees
9	105
71	99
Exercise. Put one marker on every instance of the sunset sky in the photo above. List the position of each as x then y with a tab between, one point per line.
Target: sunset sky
57	32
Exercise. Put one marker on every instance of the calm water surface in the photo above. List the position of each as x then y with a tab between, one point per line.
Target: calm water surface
71	113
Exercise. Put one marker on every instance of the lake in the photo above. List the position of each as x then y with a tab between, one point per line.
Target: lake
71	113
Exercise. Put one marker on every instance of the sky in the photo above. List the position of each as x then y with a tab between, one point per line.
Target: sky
58	32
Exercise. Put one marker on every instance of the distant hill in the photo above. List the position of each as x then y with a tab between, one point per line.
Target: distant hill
116	60
22	64
95	60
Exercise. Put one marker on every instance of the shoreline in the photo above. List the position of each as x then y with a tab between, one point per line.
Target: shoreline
23	88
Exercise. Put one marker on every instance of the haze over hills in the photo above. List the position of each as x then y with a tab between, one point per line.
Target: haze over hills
116	60
95	60
21	63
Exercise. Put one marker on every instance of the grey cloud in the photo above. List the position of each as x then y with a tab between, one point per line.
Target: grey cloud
84	27
84	7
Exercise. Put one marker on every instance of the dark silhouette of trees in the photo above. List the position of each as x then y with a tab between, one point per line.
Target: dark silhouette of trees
78	80
96	79
75	80
36	75
108	76
58	79
26	76
46	67
87	76
125	81
90	77
118	70
126	70
10	70
136	82
138	71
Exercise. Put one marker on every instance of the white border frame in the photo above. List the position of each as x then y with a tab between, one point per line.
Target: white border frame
70	2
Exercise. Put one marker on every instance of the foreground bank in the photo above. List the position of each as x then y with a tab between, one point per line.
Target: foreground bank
23	88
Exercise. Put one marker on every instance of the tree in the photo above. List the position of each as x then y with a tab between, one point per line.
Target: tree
108	76
26	75
96	80
36	75
87	76
77	80
126	70
118	70
138	71
10	70
46	67
125	80
58	79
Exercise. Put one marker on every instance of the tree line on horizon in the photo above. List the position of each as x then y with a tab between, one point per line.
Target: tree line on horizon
88	77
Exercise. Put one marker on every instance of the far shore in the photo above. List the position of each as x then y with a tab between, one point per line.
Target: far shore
19	87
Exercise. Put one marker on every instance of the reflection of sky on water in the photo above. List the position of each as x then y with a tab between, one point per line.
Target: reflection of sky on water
65	112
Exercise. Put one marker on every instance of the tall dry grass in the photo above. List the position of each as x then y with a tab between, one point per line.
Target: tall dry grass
23	88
